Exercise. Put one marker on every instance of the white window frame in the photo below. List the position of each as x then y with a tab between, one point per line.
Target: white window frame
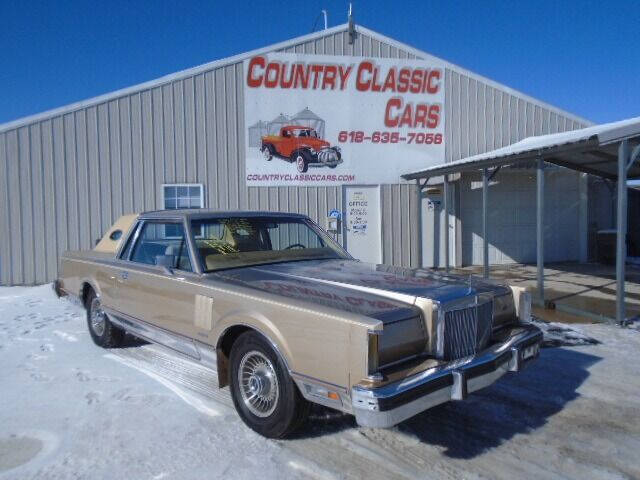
199	185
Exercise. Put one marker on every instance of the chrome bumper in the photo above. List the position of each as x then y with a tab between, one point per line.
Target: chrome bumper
391	404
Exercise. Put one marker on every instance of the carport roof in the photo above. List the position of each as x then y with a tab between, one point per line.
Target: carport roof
591	150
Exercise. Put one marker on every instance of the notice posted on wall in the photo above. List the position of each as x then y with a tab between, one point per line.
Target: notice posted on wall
320	120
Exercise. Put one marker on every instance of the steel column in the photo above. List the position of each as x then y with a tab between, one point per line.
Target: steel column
446	223
485	240
621	237
540	229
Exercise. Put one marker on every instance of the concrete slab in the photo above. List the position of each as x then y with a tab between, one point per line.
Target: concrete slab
574	292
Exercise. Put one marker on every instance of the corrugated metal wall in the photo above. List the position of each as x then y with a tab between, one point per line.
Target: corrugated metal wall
480	118
65	179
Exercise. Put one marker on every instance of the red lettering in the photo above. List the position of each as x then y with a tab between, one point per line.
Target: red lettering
272	75
362	85
434	116
390	115
433	81
286	83
301	76
390	81
255	81
416	81
407	116
344	75
316	69
329	77
403	80
422	109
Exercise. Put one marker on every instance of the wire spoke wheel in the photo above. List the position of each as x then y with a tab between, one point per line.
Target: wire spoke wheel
258	383
97	317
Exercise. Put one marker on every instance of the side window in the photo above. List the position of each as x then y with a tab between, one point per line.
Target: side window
164	244
127	249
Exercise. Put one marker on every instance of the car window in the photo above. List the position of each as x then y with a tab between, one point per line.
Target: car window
163	244
243	241
127	249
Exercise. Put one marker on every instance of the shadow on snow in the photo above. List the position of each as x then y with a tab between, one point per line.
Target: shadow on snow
516	404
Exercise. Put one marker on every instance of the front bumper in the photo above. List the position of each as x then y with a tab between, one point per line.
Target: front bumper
391	404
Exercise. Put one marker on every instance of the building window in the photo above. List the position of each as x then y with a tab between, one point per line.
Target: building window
182	195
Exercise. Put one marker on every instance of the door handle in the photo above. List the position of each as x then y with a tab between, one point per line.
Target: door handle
124	275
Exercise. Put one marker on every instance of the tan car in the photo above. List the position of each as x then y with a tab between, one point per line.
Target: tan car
287	317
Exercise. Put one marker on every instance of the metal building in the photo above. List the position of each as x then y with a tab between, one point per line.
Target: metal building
67	174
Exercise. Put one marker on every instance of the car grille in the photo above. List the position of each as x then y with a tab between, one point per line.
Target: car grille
466	331
328	155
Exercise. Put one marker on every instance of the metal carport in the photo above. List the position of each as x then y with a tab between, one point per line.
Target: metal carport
609	150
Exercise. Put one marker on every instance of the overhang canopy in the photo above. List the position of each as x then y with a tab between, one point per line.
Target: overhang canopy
591	150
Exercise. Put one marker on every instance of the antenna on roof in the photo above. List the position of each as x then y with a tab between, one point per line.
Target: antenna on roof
352	26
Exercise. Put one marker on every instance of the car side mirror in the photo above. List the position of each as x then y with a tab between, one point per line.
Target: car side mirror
166	262
167	270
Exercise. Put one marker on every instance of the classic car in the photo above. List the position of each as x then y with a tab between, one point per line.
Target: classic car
287	317
301	145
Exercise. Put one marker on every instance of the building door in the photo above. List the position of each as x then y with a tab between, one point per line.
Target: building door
433	222
362	223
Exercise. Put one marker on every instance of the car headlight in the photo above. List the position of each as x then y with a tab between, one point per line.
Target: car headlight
504	310
312	150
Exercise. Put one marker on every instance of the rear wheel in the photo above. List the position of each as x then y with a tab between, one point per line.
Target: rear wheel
263	393
103	332
267	152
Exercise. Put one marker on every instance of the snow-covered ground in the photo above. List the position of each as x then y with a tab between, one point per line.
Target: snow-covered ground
69	409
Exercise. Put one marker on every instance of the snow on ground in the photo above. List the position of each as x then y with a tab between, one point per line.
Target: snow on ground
69	409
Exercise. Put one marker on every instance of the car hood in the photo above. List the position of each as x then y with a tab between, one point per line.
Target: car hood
378	291
316	143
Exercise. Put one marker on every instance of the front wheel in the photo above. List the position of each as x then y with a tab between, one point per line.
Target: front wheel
267	153
263	393
302	162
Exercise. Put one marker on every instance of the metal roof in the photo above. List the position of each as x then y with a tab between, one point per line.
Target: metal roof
592	150
268	49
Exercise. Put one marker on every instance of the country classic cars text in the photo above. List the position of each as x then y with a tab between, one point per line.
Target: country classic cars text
366	76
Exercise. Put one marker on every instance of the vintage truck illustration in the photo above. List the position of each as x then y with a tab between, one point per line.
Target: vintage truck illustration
301	145
287	317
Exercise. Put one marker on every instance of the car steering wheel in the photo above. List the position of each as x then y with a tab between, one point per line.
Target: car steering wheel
295	245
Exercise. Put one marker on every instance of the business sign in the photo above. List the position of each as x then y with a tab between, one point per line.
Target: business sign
320	120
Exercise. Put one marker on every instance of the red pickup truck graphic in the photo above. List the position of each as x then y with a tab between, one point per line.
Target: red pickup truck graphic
301	145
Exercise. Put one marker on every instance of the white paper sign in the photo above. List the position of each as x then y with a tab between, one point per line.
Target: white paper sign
316	120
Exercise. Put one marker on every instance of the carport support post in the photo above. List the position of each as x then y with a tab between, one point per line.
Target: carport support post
621	237
540	229
485	241
446	223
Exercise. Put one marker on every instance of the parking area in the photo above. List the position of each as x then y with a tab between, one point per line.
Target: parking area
69	409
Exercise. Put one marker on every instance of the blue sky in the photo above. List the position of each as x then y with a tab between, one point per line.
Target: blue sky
582	56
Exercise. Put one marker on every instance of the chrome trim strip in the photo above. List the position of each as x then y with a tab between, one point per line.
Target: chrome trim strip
154	334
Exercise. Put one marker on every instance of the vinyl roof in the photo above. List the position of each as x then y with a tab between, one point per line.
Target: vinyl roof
592	150
193	213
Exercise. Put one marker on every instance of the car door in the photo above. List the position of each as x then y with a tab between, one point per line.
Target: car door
155	281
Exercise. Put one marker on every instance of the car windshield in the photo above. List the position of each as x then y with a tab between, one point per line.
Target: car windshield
307	133
244	241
